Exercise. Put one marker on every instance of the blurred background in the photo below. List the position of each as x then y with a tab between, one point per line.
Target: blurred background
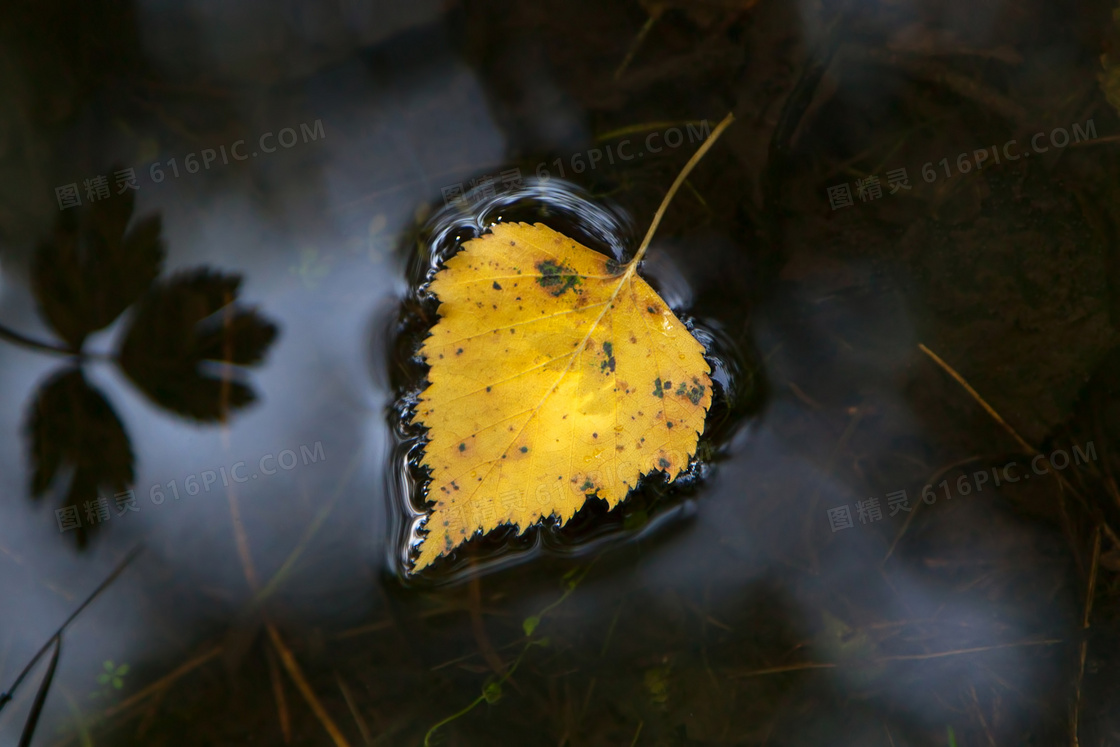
215	223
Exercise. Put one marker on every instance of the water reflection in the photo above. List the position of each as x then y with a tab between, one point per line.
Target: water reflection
726	614
97	264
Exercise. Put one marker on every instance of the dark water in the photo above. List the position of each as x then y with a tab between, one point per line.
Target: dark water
299	172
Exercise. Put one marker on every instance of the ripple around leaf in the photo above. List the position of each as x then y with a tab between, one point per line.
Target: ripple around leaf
182	325
71	424
89	272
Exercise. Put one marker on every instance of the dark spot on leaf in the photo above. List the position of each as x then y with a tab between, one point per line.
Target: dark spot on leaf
462	447
594	435
459	351
496	286
608	352
557	278
524	449
651	310
613	266
487	388
587	485
663	462
669	423
657	390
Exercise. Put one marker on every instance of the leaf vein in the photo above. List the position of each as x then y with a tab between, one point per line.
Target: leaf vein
518	324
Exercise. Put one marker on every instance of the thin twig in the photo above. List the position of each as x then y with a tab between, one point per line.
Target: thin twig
7	696
976	395
27	342
1030	450
961	651
281	699
361	722
294	671
637	43
814	500
1096	141
914	512
474	596
637	734
1090	592
897	657
688	167
164	682
1094	564
787	668
647	127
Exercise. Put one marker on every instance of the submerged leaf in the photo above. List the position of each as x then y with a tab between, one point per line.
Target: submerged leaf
183	324
556	374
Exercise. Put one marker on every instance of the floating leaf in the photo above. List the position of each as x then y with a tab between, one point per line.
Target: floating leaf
556	374
182	324
88	273
71	423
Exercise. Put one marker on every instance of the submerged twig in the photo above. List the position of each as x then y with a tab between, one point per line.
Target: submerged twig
806	665
278	693
7	696
361	722
32	344
294	671
55	641
636	44
41	694
976	396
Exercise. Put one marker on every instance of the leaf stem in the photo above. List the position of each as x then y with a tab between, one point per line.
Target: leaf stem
723	125
17	339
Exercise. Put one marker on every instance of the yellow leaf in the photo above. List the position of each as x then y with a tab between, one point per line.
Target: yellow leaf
555	374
